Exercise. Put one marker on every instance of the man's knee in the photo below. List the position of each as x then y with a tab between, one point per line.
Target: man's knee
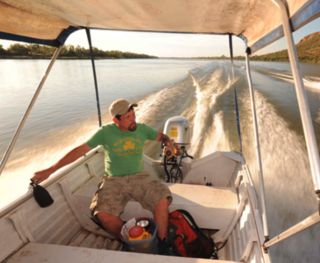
163	203
108	218
111	223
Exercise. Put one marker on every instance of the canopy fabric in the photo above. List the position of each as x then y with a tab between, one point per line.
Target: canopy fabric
258	22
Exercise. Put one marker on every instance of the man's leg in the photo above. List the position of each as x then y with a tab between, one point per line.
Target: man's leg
111	223
109	201
161	216
154	196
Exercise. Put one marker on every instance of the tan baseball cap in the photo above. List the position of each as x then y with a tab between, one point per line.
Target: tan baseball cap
120	107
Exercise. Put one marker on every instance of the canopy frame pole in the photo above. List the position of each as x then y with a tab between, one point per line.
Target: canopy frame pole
94	75
235	91
257	146
305	114
27	113
306	223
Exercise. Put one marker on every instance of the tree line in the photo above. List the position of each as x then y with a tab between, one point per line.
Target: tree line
308	50
40	51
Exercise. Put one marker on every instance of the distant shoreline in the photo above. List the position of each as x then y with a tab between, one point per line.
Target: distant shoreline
108	58
308	50
69	58
35	51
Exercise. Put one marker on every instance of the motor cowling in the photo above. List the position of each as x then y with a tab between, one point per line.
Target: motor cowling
178	129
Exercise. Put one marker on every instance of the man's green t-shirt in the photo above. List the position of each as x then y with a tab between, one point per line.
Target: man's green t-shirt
123	151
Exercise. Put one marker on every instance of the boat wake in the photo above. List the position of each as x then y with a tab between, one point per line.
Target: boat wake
309	81
208	133
197	98
312	82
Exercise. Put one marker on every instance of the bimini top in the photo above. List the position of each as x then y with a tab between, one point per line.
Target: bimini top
50	22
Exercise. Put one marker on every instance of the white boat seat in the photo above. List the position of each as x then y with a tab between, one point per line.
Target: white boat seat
211	207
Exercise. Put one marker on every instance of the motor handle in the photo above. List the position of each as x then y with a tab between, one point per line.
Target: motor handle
163	142
168	153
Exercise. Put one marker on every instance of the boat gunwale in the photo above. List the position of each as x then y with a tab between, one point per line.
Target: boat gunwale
51	180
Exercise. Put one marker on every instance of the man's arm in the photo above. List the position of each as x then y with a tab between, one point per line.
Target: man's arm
70	157
167	142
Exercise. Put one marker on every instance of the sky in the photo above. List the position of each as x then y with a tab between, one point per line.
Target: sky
175	45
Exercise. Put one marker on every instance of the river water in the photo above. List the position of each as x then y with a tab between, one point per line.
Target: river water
65	115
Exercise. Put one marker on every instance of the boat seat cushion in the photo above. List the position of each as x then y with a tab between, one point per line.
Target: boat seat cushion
211	207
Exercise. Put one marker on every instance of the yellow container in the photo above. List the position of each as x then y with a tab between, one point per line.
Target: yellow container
145	235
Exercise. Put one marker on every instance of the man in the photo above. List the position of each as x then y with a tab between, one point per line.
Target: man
123	142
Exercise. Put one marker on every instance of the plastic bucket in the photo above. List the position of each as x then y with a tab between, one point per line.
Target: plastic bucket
149	245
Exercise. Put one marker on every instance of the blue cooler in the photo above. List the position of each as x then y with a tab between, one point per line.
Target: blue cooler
149	245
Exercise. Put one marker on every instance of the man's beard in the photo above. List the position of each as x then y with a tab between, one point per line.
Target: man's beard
132	126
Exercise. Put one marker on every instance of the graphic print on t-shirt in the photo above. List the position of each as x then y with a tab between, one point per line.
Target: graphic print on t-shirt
128	146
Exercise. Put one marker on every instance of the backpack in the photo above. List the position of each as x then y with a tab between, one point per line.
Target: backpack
187	239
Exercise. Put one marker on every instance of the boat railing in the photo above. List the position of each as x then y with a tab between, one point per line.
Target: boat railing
257	148
53	179
256	133
249	176
304	224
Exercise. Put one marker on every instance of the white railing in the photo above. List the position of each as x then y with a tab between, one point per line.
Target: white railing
309	221
257	147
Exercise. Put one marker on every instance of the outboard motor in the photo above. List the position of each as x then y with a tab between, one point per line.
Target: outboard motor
178	129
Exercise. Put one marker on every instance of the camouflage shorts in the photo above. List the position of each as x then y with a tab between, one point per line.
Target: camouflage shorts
115	192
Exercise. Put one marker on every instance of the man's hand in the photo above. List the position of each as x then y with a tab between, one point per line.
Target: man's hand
42	175
70	157
167	142
169	148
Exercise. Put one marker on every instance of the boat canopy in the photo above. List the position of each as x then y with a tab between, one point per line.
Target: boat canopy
50	22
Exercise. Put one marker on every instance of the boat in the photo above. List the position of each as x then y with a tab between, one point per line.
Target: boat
217	189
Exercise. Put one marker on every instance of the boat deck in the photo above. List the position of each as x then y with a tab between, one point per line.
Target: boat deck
87	239
86	246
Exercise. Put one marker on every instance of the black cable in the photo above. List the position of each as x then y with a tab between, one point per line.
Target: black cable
222	245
